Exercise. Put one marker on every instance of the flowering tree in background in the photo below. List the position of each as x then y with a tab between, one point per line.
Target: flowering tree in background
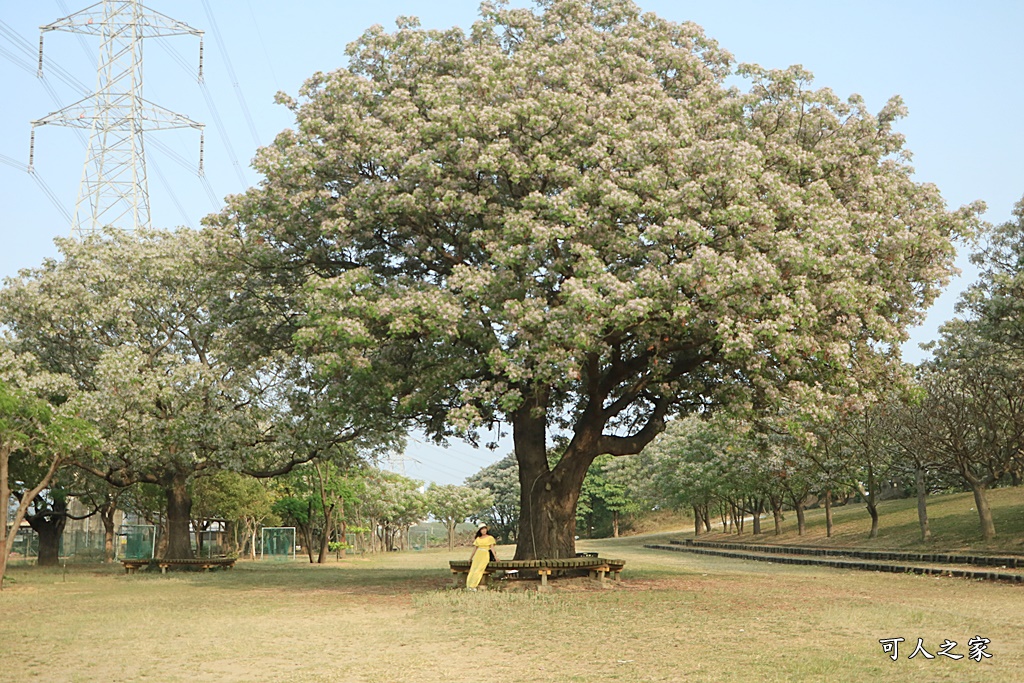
454	504
566	220
136	321
971	418
501	481
39	433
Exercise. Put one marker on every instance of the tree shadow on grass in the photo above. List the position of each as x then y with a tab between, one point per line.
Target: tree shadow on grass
334	579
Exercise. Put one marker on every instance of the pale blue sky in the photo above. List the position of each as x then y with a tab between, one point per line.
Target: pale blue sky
957	65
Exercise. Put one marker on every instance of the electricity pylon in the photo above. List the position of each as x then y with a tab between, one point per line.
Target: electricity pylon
114	183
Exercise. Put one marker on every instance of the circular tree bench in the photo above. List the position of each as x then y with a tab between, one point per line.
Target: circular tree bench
206	564
597	567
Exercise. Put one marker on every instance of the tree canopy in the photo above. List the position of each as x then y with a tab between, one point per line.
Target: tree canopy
569	219
140	323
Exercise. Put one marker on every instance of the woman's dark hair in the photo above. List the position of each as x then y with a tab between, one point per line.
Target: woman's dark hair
480	532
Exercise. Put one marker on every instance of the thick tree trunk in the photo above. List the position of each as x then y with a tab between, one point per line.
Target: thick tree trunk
547	520
49	527
49	532
698	521
828	513
873	511
758	509
801	523
922	504
547	525
871	504
9	534
179	515
988	527
615	524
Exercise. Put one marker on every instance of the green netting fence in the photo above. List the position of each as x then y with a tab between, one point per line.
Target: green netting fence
136	542
132	542
277	542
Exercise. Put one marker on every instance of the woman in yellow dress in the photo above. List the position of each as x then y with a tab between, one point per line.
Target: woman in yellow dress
482	554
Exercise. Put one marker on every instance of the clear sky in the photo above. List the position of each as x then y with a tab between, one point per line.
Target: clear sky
957	65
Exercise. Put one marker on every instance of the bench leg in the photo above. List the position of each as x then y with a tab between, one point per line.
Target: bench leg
163	569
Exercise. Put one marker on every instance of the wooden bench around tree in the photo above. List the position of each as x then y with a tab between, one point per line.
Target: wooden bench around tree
597	567
206	564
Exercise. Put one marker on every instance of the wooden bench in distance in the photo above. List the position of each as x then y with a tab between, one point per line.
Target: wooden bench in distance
206	564
597	567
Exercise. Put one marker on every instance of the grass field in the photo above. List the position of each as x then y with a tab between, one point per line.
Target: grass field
674	617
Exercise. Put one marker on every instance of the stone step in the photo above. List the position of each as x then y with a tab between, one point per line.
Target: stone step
864	565
1004	561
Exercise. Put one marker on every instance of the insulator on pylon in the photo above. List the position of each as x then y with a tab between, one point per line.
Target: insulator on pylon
39	71
202	142
31	149
200	60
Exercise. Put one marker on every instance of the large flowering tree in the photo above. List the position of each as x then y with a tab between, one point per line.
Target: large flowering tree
138	321
567	219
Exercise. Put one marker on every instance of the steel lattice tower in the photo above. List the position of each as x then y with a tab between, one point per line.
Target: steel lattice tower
114	183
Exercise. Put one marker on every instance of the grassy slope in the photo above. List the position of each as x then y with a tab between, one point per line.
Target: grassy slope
952	518
394	618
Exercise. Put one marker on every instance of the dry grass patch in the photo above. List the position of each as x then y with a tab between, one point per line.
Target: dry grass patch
397	618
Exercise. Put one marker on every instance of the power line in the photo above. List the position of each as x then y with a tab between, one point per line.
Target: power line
14	60
223	135
89	56
231	72
263	44
30	52
170	191
50	195
211	106
465	458
39	181
13	163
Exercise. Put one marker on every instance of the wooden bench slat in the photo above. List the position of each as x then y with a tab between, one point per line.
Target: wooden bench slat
130	566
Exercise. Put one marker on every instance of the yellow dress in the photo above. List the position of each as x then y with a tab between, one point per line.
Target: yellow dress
480	559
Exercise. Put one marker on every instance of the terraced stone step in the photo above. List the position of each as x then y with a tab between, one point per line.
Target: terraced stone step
930	570
1002	561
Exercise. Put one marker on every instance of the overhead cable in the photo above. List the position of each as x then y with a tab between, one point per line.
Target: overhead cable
231	72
